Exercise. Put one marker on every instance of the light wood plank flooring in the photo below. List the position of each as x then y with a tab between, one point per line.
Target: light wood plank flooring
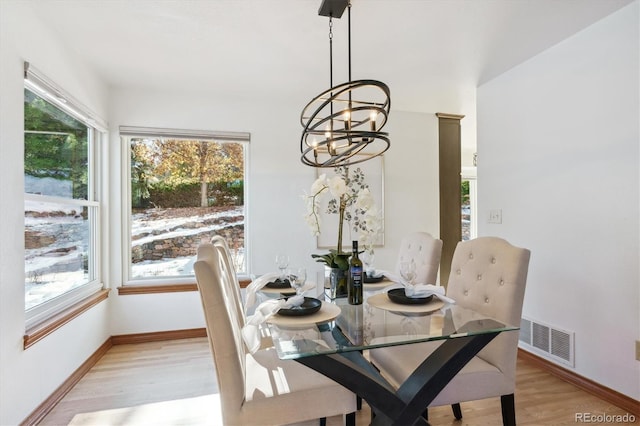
173	382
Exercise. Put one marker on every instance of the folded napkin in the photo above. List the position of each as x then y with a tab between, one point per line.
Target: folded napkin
418	290
255	286
264	311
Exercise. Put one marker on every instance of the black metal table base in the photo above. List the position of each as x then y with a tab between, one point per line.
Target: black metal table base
405	405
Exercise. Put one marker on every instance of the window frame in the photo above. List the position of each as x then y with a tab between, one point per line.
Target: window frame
40	85
176	283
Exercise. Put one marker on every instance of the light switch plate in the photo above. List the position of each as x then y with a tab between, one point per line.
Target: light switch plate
495	216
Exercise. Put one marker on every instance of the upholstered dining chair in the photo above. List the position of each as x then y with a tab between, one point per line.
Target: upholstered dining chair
425	251
259	388
488	275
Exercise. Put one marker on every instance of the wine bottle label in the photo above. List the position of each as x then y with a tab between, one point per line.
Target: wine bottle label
356	273
356	276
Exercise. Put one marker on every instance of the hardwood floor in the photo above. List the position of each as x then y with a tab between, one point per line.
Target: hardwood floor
173	382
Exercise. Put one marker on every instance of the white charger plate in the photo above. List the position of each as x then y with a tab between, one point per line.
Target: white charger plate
328	312
382	301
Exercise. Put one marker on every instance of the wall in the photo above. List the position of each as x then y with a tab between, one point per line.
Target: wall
558	153
29	376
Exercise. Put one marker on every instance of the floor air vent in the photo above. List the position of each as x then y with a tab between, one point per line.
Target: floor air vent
547	341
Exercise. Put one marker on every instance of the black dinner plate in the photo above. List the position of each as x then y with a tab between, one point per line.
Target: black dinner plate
308	307
371	280
278	283
397	295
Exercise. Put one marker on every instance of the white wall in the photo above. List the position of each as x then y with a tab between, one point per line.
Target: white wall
558	152
29	376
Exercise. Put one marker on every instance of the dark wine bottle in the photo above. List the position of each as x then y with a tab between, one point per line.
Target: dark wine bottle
354	288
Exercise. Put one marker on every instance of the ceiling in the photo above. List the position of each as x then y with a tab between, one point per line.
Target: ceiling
423	49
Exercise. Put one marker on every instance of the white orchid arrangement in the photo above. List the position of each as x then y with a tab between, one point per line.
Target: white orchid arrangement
353	202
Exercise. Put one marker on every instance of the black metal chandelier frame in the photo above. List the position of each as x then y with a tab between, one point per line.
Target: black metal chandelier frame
337	123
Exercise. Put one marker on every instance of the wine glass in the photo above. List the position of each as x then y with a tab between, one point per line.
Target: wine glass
408	271
282	261
297	278
367	259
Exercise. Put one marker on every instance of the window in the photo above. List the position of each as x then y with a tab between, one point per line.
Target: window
61	210
469	203
184	187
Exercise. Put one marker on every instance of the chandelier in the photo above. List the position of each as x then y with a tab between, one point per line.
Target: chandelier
342	124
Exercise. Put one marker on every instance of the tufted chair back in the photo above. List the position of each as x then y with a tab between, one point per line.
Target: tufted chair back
425	251
488	275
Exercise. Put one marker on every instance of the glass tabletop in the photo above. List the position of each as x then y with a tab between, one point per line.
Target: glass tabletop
374	324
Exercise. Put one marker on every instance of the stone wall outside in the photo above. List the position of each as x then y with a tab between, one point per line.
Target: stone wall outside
184	246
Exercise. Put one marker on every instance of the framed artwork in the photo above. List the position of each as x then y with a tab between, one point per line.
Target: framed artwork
373	171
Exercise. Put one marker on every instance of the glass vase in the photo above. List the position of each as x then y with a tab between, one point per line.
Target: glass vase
338	283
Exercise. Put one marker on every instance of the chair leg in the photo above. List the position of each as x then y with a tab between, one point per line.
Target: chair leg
323	421
508	410
350	419
425	414
457	411
358	403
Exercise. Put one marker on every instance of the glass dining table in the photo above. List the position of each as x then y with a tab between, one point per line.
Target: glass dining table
335	340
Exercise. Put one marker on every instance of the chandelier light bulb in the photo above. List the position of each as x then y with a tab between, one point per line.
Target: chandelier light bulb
347	120
373	116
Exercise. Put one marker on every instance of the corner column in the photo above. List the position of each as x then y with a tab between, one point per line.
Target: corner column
450	153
